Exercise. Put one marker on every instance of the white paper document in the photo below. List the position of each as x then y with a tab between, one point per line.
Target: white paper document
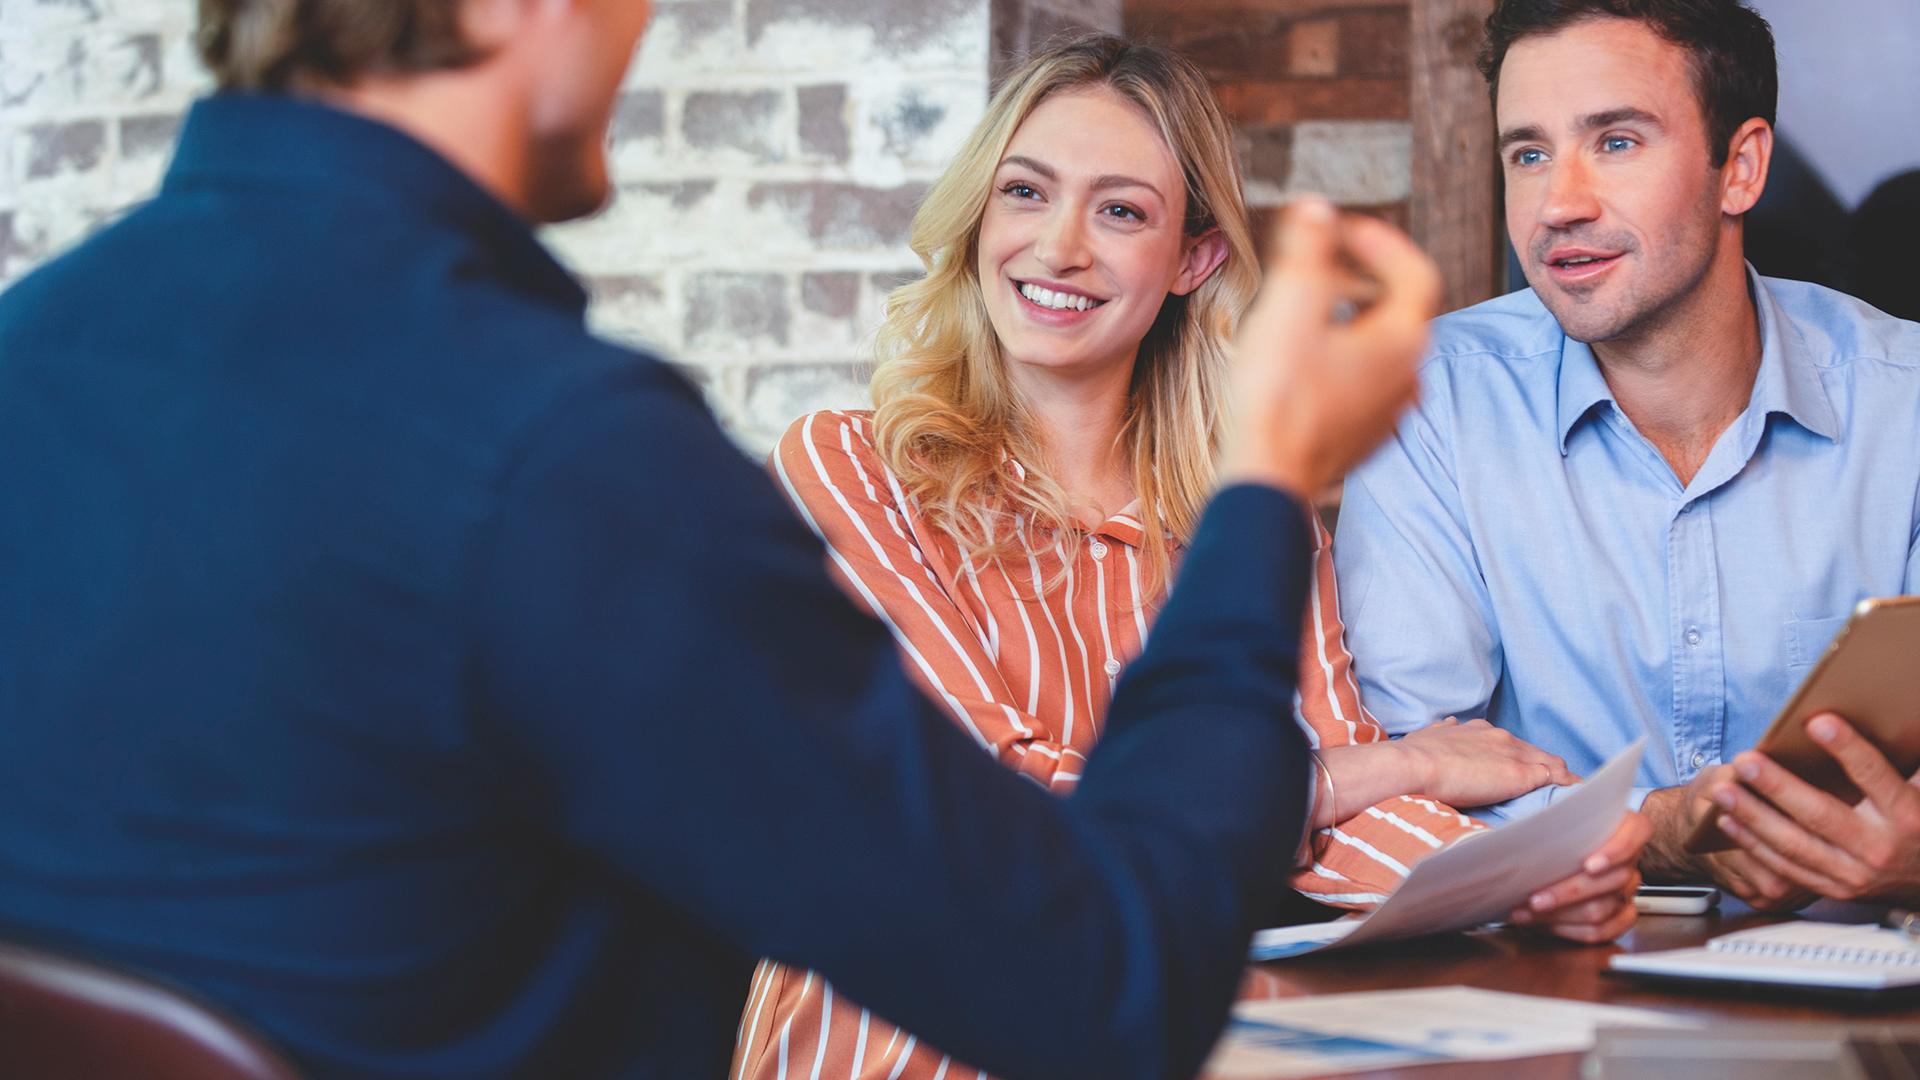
1335	1033
1482	878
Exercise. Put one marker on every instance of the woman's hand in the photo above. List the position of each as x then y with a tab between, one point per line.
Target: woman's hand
1462	765
1477	764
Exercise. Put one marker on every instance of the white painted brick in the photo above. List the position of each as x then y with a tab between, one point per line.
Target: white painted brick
36	78
913	127
1358	162
898	38
688	39
638	310
771	397
27	17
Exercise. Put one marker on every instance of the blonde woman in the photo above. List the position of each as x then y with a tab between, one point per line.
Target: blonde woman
1049	403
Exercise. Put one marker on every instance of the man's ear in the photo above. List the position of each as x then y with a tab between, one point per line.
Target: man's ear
489	25
1204	255
1749	157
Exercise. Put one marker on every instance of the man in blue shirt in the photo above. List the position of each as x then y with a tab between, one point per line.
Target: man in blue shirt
1642	496
432	685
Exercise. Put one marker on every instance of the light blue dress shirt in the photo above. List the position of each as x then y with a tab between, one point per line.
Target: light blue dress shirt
1520	551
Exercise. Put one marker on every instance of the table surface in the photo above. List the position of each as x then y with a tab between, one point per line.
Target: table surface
1524	963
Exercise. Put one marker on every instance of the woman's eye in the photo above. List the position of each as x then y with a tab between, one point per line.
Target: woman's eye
1124	213
1019	190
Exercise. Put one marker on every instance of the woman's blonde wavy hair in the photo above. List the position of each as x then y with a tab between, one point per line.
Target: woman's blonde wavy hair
947	412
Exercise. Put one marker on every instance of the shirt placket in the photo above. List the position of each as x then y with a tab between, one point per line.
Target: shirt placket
1698	646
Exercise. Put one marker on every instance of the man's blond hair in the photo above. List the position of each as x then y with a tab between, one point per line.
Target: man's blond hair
288	44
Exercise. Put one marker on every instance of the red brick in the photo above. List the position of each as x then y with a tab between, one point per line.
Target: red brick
1375	43
1289	101
1313	48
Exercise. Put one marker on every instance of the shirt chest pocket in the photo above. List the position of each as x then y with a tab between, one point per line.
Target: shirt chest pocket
1807	641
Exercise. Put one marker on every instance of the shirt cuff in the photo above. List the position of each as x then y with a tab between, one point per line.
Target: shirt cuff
1540	798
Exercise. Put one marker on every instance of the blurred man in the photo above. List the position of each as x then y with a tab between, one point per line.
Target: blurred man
432	685
1640	497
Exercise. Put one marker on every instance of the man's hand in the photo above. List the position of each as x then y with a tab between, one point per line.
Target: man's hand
1816	842
1595	905
1313	396
1477	764
1676	813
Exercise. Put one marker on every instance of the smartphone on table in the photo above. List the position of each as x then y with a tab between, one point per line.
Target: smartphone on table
1676	899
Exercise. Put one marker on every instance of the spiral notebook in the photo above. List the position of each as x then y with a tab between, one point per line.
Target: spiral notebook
1865	958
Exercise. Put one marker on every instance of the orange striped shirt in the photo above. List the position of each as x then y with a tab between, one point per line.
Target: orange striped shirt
1028	671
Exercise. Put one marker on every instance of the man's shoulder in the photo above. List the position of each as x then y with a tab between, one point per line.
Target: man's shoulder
1838	329
1506	330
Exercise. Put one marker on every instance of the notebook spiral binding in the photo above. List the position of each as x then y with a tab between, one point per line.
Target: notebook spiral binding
1822	953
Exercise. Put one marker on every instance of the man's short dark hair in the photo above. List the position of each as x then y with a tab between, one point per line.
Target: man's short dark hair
1735	71
289	44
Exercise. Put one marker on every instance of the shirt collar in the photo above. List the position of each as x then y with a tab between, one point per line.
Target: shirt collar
1788	382
1789	379
233	139
1122	526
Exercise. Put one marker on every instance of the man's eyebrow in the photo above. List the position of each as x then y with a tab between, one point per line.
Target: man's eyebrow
1625	114
1526	133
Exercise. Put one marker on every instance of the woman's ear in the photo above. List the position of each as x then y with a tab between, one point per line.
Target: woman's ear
1204	255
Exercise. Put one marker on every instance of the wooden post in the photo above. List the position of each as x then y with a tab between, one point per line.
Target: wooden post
1455	212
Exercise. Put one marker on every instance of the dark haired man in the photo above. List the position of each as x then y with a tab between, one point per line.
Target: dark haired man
434	686
1640	497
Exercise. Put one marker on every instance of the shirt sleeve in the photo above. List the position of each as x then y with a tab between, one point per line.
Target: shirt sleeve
1357	862
687	698
1419	619
829	470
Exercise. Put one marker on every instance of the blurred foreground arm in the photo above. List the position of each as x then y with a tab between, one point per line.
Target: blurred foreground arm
696	704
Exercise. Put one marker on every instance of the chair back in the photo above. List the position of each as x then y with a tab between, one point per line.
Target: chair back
65	1020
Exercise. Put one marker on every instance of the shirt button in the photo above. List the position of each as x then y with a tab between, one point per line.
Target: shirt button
1693	635
1113	668
1699	761
1097	549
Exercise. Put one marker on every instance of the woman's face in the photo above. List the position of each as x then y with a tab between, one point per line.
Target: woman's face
1083	235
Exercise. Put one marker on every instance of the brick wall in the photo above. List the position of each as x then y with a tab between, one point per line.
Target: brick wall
769	153
1317	89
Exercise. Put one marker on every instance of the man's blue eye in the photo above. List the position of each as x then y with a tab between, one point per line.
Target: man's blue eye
1530	157
1619	143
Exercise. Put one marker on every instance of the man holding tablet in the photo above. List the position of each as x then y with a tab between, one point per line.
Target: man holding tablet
1642	496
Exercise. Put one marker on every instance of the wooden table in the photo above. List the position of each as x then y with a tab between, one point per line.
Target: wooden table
1524	963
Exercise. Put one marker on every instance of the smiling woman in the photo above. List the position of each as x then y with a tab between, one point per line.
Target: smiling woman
1050	401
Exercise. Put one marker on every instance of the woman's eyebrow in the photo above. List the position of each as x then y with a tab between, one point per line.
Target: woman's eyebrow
1100	183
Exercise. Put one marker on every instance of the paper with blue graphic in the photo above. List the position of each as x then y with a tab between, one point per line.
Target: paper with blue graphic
1319	1034
1483	877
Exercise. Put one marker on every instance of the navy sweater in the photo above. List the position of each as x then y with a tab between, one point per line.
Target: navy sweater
392	663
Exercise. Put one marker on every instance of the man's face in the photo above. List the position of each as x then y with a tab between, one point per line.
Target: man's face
583	59
1613	203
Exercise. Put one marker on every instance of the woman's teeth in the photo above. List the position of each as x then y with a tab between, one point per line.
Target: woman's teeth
1058	301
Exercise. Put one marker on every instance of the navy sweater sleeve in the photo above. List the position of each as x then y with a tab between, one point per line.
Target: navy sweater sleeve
696	703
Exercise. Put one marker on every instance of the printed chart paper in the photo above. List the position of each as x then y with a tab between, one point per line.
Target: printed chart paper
1335	1033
